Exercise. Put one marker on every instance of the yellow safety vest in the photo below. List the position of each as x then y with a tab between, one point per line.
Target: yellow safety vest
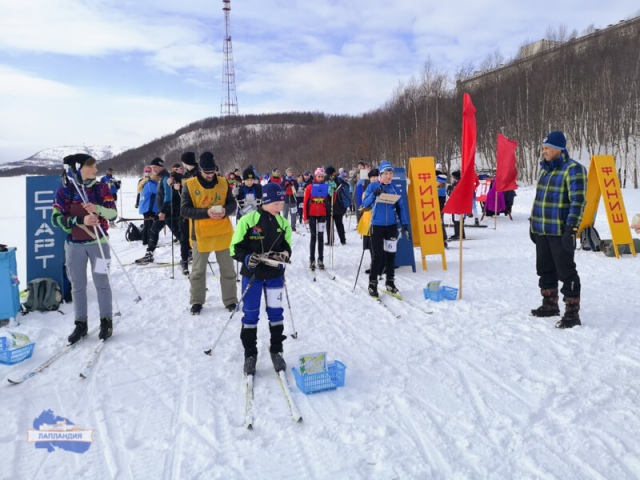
212	235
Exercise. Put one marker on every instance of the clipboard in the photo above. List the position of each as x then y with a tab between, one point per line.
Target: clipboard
319	189
389	198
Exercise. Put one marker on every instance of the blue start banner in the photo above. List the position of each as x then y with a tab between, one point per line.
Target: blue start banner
45	244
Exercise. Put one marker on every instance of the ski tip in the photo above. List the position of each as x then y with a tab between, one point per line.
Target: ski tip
13	382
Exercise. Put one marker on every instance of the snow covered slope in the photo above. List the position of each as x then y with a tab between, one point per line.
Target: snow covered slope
476	389
51	158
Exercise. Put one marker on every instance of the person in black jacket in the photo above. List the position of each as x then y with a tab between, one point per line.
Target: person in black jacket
249	193
335	208
455	218
263	235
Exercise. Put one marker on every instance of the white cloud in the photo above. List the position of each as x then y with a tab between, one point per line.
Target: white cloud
179	57
16	83
61	115
337	56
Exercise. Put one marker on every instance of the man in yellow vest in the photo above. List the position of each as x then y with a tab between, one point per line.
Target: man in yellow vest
207	203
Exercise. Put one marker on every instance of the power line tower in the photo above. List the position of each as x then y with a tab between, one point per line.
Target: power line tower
229	104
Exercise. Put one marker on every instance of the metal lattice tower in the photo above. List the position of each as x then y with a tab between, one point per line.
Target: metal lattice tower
229	104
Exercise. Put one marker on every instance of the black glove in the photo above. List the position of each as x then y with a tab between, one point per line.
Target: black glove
405	232
377	192
252	261
569	238
280	256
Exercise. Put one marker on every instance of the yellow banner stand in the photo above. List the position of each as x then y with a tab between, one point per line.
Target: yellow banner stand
603	181
424	209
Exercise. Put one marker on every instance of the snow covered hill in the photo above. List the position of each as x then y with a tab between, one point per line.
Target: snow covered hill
465	389
51	158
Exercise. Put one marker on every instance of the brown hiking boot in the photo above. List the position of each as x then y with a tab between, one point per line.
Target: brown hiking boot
549	307
571	316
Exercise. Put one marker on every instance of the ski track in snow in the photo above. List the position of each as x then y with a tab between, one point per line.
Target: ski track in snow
477	389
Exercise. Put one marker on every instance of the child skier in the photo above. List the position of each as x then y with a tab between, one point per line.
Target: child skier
248	194
384	228
260	236
315	214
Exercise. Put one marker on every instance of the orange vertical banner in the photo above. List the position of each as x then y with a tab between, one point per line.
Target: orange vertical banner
424	208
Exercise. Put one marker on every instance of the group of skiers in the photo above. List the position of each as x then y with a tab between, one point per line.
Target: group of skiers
196	203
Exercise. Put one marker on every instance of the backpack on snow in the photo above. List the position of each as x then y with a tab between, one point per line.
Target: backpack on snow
133	233
590	239
43	295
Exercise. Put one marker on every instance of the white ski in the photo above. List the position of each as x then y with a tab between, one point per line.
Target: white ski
284	383
93	358
332	276
249	416
56	356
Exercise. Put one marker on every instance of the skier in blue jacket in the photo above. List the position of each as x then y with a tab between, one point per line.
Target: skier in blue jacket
384	227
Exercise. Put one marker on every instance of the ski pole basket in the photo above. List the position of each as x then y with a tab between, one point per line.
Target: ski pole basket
330	379
443	293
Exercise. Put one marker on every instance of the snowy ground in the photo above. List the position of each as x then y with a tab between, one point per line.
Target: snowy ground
477	389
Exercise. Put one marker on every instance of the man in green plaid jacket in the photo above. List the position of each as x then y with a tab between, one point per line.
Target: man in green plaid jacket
555	218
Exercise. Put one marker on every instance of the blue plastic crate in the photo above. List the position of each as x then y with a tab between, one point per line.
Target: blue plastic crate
319	382
444	293
17	355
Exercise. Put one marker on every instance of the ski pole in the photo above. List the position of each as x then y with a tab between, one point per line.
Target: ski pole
331	232
286	292
121	208
212	272
173	263
358	273
249	284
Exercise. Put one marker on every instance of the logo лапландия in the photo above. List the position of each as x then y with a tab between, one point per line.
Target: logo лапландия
51	431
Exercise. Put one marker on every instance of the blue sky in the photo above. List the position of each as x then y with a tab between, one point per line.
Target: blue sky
124	72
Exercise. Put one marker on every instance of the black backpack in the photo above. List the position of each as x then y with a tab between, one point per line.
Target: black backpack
344	196
133	233
590	239
43	295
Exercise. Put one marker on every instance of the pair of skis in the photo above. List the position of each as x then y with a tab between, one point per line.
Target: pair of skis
384	305
398	297
249	414
332	276
86	369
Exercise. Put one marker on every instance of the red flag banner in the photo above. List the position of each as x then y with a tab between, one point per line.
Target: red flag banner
461	199
506	170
